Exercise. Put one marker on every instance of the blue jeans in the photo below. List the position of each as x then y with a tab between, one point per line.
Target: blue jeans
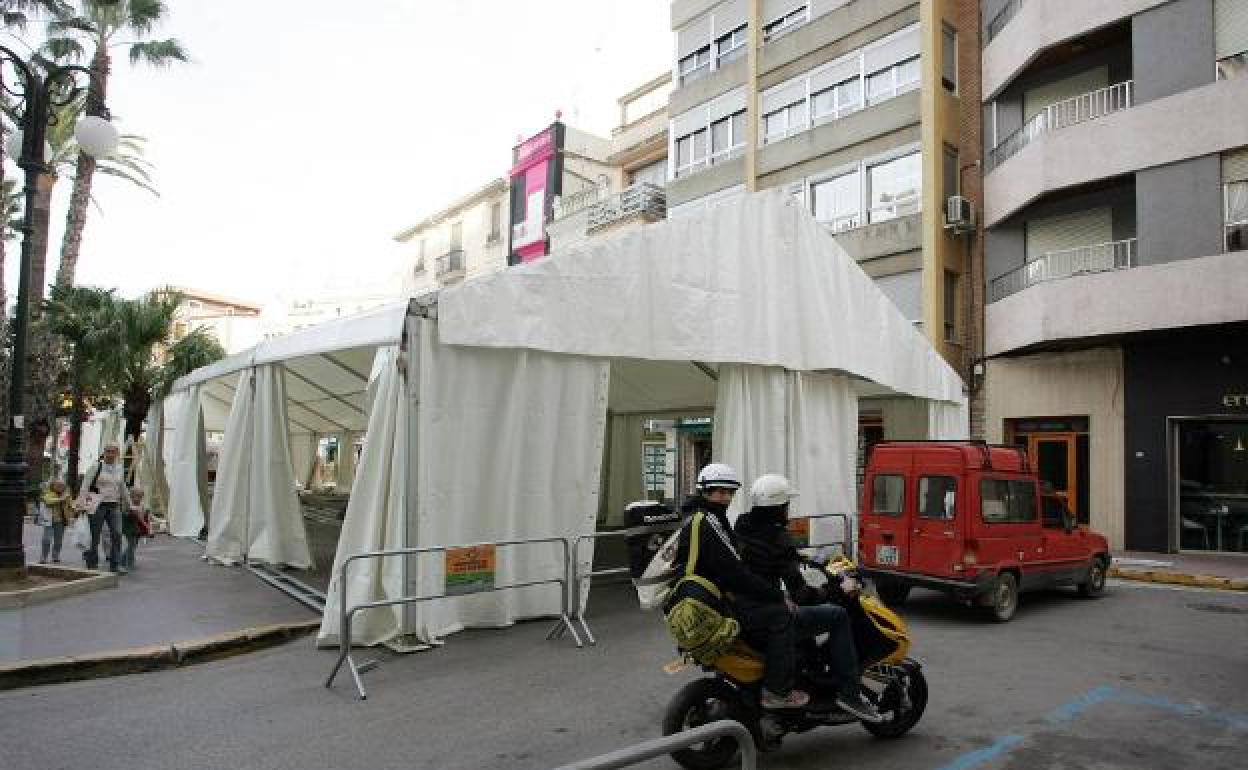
53	536
105	514
771	626
127	557
833	620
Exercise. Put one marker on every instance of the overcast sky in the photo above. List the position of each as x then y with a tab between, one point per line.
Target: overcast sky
307	133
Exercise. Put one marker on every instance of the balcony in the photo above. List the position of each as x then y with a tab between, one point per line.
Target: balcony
1114	255
645	202
1063	114
451	265
568	205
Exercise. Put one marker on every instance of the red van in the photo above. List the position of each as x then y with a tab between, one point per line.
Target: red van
970	519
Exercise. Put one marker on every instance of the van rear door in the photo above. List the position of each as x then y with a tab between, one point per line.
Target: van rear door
885	536
936	539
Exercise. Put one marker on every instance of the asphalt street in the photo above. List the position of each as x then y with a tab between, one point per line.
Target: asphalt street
1146	677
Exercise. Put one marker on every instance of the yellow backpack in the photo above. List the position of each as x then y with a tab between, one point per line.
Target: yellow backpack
697	616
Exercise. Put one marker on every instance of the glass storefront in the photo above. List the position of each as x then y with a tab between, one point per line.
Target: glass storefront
1213	485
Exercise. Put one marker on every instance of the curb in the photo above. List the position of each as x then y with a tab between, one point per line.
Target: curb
30	673
1179	578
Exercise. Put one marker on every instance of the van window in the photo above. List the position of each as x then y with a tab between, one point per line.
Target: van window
1006	500
937	496
888	494
1054	512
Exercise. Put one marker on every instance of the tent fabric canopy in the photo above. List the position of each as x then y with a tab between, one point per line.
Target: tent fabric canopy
755	280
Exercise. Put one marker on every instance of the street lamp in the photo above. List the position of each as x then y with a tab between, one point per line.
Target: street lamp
37	94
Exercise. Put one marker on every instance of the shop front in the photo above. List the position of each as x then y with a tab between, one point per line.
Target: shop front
1187	440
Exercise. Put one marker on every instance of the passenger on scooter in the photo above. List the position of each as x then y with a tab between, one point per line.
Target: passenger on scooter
768	551
758	605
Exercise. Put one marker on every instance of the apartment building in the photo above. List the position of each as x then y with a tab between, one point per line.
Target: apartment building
235	324
465	239
1116	276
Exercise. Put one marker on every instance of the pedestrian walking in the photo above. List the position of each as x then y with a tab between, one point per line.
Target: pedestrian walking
105	493
135	525
55	512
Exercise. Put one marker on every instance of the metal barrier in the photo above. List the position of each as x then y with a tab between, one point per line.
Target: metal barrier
345	614
667	744
847	530
575	576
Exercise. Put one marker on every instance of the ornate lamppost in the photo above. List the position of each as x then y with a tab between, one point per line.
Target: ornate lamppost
37	93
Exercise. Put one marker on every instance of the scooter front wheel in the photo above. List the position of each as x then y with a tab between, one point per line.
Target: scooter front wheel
700	702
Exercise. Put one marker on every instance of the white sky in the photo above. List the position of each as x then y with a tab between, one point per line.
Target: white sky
307	133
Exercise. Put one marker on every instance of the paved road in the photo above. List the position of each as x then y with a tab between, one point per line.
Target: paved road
1147	677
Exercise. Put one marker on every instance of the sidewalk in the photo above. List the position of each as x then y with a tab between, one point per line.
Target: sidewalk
1206	570
174	608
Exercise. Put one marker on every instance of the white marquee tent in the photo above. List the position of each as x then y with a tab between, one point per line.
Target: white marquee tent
502	409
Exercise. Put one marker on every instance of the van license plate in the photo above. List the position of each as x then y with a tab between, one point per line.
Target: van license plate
886	555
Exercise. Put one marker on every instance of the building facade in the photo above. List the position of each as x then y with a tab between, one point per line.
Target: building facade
466	239
234	323
1115	273
850	106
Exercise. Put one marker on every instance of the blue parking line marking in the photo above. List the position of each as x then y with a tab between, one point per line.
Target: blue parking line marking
1003	745
1068	711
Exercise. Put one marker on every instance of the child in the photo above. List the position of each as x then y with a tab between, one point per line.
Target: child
55	512
136	524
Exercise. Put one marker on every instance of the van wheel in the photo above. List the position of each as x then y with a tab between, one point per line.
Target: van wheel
1002	601
1094	581
893	594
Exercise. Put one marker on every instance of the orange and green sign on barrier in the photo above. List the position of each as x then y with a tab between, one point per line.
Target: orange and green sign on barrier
470	570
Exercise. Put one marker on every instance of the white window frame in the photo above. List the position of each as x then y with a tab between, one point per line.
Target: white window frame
1227	223
839	110
697	70
948	40
895	88
868	196
695	163
785	24
790	127
738	39
846	222
735	143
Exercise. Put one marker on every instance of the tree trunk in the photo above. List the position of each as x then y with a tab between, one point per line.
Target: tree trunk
42	223
41	362
135	410
77	415
84	173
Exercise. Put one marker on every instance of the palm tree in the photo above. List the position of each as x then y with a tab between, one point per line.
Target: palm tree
86	320
89	35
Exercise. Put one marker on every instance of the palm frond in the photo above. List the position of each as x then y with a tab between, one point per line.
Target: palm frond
158	53
64	26
14	20
132	179
143	15
63	49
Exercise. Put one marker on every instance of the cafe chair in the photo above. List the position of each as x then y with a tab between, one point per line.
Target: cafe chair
1193	525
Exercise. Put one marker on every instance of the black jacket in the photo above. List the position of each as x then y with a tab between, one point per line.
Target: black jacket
718	560
768	551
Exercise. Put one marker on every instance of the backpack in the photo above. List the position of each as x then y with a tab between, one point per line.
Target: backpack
697	615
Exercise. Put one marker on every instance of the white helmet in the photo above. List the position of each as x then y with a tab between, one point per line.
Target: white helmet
771	489
718	475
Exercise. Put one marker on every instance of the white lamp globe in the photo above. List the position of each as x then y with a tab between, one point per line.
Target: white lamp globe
96	136
13	147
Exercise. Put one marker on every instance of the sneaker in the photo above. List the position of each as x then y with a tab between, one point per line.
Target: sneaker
796	699
859	706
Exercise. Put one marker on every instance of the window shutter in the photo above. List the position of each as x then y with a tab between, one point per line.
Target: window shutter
729	103
835	72
729	16
688	122
774	9
783	95
1230	27
1235	166
898	47
1036	99
693	36
1068	231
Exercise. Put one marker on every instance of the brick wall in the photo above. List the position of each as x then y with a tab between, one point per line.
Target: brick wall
970	154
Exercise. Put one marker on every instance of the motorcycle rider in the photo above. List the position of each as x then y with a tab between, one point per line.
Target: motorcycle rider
759	606
768	551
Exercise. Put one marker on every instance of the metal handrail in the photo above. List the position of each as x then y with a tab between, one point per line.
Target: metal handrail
575	576
567	205
450	262
346	614
1112	255
1068	112
657	747
1003	18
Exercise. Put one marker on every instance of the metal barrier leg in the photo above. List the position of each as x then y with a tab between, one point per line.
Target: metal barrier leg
585	627
565	624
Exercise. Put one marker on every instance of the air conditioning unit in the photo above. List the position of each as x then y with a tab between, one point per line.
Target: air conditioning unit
959	214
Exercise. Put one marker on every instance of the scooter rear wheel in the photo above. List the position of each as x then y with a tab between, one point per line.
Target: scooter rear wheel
901	718
697	703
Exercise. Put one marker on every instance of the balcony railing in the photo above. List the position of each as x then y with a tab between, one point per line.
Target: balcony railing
567	205
1114	255
1069	112
647	201
451	263
1003	17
